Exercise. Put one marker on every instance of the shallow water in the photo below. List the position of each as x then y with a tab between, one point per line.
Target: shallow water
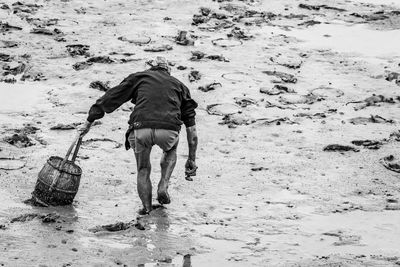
355	39
378	2
23	97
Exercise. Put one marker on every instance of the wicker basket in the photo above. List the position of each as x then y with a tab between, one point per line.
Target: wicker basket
58	181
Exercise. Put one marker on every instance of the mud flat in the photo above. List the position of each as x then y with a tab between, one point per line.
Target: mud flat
298	123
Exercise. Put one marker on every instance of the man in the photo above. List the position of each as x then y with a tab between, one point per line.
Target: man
162	105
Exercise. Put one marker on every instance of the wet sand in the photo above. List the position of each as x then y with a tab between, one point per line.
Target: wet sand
266	194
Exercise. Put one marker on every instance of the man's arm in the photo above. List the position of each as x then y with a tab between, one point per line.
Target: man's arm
188	115
190	166
109	102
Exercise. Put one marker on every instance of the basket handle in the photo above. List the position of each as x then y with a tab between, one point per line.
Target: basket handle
78	144
77	141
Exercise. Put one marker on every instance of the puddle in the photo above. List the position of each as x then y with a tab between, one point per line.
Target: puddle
378	2
95	242
236	76
379	230
22	97
350	39
10	164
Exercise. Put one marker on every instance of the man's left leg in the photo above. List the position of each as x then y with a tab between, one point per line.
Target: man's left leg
168	162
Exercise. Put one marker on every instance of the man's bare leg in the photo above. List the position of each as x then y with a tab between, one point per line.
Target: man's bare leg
143	178
168	162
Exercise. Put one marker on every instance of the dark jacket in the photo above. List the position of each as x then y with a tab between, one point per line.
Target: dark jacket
161	101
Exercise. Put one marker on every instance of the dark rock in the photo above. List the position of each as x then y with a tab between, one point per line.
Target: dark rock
25	217
199	19
285	77
81	65
115	227
205	11
181	67
318	7
158	48
197	55
4	6
5	27
218	58
100	59
309	23
35	76
276	90
19	140
370	144
239	34
62	126
8	80
102	86
43	31
78	50
209	87
255	169
218	16
194	75
393	76
50	218
182	39
340	148
14	68
5	57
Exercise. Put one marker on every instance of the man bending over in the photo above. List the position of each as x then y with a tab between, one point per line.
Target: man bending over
162	105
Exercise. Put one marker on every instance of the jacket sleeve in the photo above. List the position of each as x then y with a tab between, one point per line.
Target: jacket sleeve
113	98
188	107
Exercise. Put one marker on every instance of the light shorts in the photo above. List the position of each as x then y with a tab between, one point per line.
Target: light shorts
141	139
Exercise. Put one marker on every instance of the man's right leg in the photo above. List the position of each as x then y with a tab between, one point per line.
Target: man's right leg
143	178
168	162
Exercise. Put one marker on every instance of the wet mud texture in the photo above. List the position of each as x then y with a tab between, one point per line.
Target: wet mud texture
276	82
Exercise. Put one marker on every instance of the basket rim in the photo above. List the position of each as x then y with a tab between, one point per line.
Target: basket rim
79	170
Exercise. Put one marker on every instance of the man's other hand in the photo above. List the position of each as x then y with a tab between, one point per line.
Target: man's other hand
84	128
190	168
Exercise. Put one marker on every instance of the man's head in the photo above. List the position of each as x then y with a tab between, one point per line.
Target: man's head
159	62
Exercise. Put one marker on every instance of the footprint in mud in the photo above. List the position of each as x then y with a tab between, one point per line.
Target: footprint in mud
223	109
236	76
137	40
327	92
222	42
344	239
391	163
371	119
373	100
299	99
10	164
291	62
104	143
